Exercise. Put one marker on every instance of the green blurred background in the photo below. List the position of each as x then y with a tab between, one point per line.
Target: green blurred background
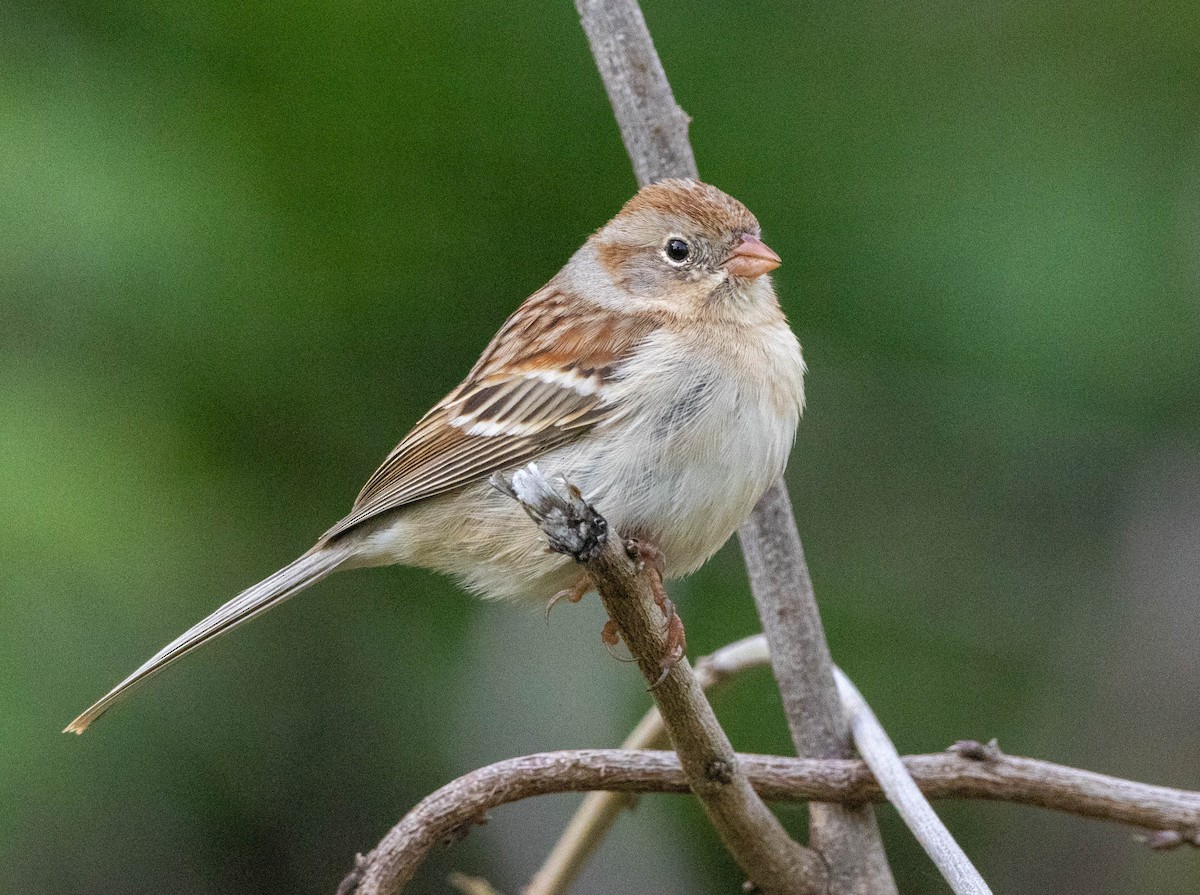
244	245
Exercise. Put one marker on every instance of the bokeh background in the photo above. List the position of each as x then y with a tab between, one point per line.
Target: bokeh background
243	245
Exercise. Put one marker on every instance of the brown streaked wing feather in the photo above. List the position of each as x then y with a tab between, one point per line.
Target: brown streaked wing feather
537	386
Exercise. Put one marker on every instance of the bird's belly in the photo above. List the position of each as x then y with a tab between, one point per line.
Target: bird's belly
687	479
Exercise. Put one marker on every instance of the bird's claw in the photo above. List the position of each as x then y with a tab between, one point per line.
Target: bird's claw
644	553
572	594
676	645
648	556
610	636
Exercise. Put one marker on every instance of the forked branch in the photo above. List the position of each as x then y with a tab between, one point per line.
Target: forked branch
773	861
449	813
654	129
599	810
631	592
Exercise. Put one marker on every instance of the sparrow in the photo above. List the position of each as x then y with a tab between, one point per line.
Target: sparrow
655	371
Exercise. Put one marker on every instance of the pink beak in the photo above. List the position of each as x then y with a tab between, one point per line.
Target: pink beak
752	258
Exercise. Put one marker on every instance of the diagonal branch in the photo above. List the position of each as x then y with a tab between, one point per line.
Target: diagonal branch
632	595
654	129
598	812
846	836
887	767
448	814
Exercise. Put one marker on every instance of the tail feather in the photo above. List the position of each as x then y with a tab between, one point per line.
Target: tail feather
287	582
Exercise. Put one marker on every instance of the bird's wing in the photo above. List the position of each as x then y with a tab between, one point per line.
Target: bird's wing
539	385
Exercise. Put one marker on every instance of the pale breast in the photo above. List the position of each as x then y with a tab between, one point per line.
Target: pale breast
709	426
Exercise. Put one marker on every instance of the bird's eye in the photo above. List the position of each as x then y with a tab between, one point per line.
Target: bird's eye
677	250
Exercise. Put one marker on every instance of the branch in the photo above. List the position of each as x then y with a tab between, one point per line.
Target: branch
599	810
654	129
632	594
750	832
847	837
880	755
653	126
448	814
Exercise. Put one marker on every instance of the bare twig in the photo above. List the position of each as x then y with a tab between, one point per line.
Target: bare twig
751	833
880	755
847	837
654	129
653	126
747	828
470	885
599	810
448	813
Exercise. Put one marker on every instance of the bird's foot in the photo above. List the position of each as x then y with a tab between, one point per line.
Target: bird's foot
572	594
650	557
646	554
610	636
676	643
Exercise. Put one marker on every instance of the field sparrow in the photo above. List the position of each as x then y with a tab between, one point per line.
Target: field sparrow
655	371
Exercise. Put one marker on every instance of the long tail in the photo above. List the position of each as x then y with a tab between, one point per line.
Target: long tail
287	582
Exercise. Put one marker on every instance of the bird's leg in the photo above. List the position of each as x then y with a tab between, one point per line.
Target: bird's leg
676	644
647	555
643	552
610	636
572	594
677	640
